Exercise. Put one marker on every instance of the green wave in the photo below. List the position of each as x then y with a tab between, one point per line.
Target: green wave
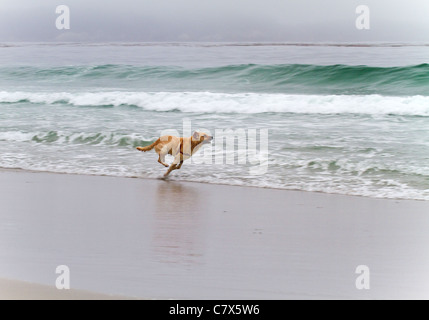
107	139
293	78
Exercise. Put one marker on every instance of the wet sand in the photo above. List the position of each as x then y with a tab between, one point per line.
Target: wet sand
169	239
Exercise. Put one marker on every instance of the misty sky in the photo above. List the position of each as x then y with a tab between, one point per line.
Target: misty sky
220	20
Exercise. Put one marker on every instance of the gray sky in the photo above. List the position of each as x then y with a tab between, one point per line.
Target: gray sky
215	20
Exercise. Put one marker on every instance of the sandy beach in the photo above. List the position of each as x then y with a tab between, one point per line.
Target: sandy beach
168	239
19	290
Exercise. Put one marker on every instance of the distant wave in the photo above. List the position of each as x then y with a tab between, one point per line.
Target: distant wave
221	44
294	78
207	102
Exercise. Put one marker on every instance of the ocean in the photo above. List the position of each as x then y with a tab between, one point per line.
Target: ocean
346	119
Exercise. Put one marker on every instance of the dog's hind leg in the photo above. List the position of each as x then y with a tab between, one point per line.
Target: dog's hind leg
180	165
172	167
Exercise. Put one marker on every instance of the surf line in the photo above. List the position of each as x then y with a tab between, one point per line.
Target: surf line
186	310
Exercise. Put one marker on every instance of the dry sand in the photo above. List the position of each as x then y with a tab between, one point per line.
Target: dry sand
169	239
19	290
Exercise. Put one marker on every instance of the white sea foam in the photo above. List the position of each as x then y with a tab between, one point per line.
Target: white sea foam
16	136
208	102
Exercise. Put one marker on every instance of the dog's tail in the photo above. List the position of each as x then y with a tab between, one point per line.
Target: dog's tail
148	148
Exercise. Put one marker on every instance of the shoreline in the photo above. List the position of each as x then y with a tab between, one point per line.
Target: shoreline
181	240
203	182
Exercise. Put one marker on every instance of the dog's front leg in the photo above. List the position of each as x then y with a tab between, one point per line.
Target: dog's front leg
172	167
177	163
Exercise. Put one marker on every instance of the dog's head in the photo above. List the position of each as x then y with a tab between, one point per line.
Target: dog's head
202	137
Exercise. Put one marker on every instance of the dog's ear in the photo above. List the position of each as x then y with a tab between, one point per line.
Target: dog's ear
196	135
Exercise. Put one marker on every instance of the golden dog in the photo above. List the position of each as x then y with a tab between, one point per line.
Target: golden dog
180	148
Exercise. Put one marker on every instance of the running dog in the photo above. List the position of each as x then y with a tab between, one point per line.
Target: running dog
179	147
